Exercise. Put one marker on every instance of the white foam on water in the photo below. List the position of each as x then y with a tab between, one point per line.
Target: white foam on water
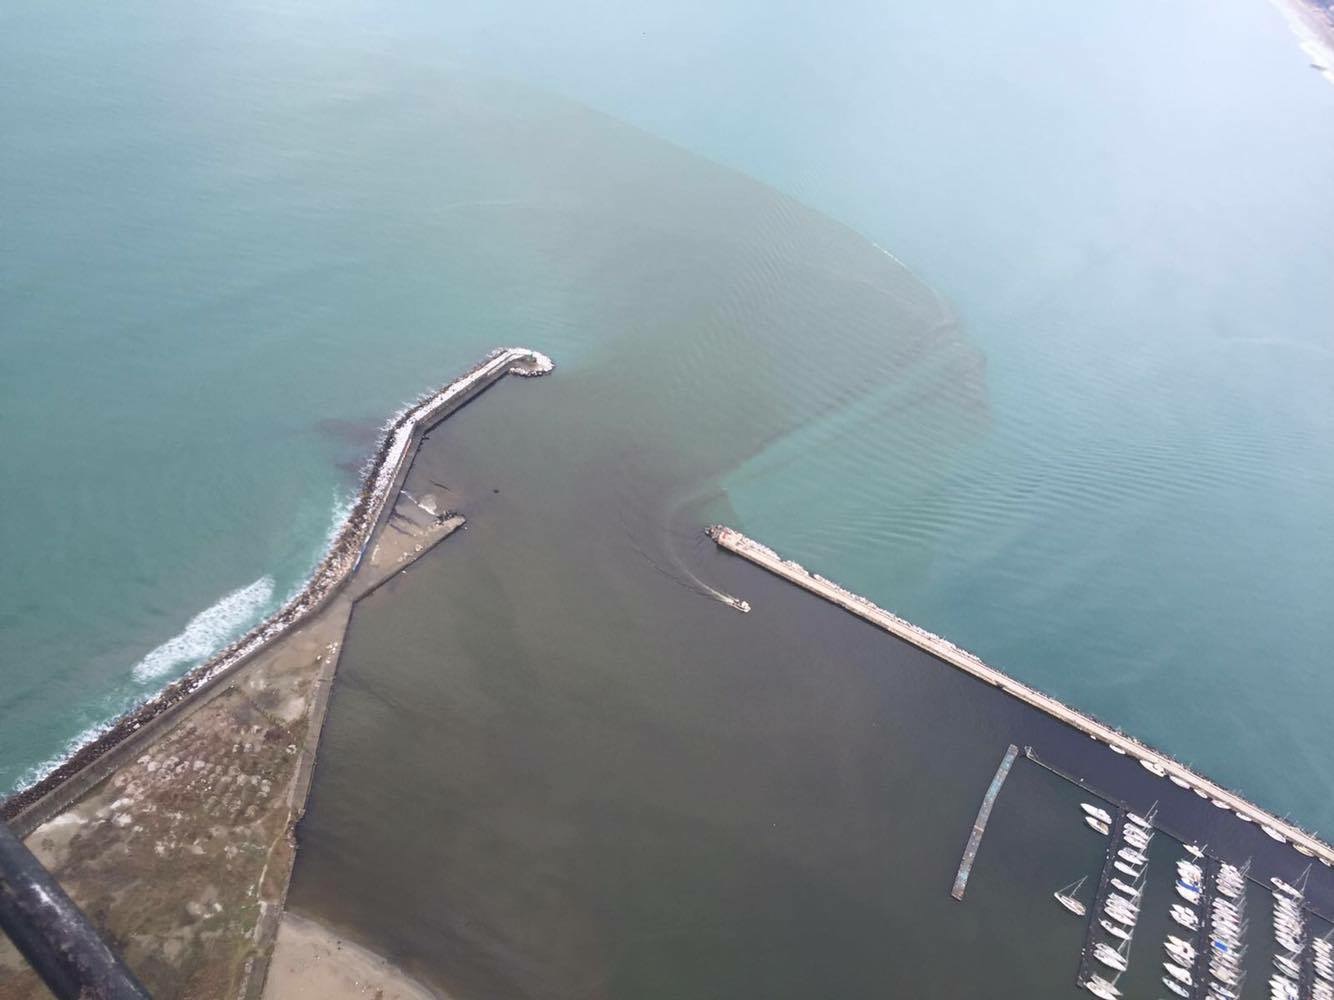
208	631
39	771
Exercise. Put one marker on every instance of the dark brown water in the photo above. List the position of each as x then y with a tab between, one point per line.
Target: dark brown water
554	767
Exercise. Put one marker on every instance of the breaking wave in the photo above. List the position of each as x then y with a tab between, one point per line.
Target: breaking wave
208	631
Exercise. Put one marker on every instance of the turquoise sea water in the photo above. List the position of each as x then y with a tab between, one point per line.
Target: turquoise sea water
232	243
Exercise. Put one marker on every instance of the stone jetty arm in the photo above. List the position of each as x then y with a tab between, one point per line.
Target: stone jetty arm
766	558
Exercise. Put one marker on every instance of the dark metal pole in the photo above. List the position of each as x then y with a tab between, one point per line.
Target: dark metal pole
53	934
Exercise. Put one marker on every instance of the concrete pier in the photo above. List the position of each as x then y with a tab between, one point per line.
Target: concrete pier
1100	892
945	651
980	824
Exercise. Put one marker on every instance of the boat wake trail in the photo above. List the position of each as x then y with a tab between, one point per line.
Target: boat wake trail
208	631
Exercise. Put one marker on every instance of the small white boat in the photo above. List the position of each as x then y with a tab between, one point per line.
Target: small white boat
1179	941
1185	916
1114	930
1101	988
1109	957
1139	820
1131	855
1273	834
1282	886
1066	897
1126	869
1115	749
1096	813
1120	916
1179	782
1194	851
1287	966
1190	870
1178	973
1302	850
1243	817
1126	888
1200	792
1220	803
1153	767
1187	892
1183	955
1098	825
1176	987
1136	837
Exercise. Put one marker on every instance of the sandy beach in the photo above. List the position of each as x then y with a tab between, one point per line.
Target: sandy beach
311	962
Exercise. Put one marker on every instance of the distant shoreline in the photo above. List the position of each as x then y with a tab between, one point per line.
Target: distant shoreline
1313	25
343	557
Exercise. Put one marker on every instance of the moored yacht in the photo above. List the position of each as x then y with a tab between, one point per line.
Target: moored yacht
1099	814
1066	897
1109	957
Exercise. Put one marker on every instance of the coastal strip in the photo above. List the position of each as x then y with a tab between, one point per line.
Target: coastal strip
381	478
942	649
980	824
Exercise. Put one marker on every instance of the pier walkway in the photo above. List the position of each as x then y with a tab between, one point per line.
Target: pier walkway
1086	967
980	824
1209	865
766	558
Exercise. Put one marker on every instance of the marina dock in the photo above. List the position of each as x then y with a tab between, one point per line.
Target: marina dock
942	649
980	824
1100	892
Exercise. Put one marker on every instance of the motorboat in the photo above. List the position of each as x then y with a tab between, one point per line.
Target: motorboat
1153	767
1133	856
1190	893
1139	820
1066	897
1179	974
1113	930
1300	849
1185	916
1099	814
1115	749
1244	817
1220	803
1273	834
1129	870
1175	987
1180	942
1098	825
1184	954
1194	851
1109	957
1179	782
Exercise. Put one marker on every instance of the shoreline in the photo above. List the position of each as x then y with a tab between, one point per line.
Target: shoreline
312	961
346	549
942	649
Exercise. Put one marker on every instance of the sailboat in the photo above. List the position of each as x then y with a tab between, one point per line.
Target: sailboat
1098	825
1109	957
1113	929
1066	897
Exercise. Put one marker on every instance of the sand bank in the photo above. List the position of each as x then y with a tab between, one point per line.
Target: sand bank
312	962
